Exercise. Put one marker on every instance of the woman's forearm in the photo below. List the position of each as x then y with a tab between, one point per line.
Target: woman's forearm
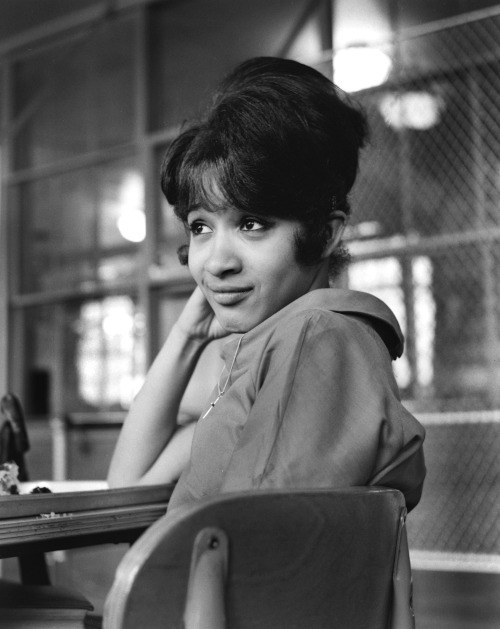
143	453
173	459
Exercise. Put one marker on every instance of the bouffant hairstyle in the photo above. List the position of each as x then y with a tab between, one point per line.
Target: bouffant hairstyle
278	139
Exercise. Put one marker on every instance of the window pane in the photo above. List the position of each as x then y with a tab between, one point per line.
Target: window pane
109	354
86	356
80	227
467	322
80	95
195	43
383	278
455	313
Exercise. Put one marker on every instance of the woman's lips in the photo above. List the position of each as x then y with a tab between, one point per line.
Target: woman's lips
229	297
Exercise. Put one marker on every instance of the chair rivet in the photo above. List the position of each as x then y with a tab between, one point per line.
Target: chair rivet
213	543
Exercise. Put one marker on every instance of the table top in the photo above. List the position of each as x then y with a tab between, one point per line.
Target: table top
77	514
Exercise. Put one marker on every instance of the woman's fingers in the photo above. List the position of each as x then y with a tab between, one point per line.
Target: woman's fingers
197	320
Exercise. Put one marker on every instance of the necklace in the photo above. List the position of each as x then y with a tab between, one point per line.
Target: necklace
219	390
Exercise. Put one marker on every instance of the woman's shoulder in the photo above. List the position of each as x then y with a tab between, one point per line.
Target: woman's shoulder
313	319
332	310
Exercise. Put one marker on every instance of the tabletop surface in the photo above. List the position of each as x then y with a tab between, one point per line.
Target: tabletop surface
77	514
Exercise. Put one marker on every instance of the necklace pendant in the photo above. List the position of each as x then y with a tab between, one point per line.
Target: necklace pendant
223	389
212	404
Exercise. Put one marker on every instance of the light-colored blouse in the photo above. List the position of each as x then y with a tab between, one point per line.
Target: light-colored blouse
311	402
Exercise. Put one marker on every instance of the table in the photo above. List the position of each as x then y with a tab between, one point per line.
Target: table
77	514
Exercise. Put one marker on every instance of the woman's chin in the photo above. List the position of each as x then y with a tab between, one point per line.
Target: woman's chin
234	324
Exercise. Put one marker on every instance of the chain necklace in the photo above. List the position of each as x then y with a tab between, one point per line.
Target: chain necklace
219	390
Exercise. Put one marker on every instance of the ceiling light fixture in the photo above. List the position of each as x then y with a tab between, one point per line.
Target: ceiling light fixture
415	109
132	225
362	42
360	67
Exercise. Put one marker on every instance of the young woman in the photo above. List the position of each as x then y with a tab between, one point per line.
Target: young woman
307	396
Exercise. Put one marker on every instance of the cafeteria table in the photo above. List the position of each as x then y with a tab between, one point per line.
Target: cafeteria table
77	514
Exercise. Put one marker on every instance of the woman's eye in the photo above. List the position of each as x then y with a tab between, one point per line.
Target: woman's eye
252	224
197	228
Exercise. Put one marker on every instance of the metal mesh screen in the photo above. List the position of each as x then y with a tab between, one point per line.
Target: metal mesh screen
460	510
429	189
425	236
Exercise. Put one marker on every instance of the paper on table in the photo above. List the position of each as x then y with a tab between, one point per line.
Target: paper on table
63	486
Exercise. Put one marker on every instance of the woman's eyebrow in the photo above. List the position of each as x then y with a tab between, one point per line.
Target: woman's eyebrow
196	207
208	207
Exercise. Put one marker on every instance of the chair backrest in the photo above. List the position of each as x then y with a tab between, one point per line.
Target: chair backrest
279	560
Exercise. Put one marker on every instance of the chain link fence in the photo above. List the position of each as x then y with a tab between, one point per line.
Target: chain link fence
457	524
426	221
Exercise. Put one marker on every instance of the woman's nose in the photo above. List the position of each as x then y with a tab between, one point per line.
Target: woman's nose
223	256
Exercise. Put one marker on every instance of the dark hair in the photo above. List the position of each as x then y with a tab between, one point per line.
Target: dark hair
278	139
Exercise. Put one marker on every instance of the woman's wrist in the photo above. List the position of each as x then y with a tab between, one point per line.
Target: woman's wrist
189	338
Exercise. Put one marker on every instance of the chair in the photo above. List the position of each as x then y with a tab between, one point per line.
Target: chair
307	559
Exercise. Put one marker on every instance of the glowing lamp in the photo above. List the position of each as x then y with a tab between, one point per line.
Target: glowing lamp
132	225
360	67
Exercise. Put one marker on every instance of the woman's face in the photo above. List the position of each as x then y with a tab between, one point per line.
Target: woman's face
245	265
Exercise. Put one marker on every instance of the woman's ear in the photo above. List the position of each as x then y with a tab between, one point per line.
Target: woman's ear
335	230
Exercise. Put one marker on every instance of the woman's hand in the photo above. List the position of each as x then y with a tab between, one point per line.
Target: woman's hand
197	320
